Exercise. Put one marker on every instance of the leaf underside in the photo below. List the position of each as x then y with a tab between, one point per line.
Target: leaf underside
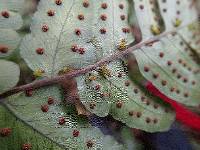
10	21
29	110
191	36
67	28
61	36
148	15
9	39
9	75
138	110
73	35
21	134
172	11
168	63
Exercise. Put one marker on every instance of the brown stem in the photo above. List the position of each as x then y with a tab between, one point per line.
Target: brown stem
76	73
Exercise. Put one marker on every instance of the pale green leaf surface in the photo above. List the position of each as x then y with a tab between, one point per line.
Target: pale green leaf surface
185	49
191	34
184	10
181	80
114	89
147	15
9	75
13	22
60	37
176	56
10	40
13	5
57	44
29	110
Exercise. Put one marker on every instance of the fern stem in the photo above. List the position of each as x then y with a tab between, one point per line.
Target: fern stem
76	73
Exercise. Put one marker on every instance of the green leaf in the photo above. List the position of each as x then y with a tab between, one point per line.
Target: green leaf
56	54
186	47
176	71
177	13
28	109
13	22
148	17
170	65
21	134
191	35
9	75
10	20
9	41
118	96
61	35
13	19
13	5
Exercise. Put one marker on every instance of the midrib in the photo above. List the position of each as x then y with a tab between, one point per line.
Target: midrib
59	38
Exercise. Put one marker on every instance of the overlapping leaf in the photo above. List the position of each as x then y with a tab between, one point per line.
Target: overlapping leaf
9	75
118	96
12	5
74	133
9	41
177	13
63	36
166	64
182	14
76	34
170	71
148	17
21	134
191	35
10	20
